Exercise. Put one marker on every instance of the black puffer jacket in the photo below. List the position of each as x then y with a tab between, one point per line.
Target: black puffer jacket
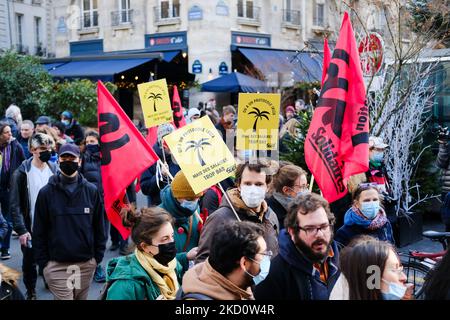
443	162
91	169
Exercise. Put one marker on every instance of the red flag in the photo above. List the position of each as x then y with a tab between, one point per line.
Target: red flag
125	155
336	145
326	60
178	116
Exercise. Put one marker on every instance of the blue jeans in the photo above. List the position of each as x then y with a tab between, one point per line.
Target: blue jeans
4	203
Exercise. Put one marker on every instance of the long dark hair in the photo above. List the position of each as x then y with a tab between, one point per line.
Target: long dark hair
437	285
355	259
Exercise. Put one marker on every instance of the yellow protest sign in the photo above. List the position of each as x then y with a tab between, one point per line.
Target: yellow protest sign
155	102
202	155
258	119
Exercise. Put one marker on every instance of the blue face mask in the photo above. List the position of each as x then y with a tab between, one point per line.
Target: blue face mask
395	291
378	157
66	122
370	209
190	205
302	193
264	267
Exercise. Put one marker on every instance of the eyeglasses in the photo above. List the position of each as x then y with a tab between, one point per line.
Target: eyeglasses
302	188
267	253
397	271
312	231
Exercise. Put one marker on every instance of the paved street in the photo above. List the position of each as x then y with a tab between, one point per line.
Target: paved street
43	294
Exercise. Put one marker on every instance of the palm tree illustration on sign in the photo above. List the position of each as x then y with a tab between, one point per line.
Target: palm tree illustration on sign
197	145
258	114
155	97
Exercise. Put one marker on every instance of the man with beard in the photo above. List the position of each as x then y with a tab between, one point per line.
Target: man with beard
306	267
226	124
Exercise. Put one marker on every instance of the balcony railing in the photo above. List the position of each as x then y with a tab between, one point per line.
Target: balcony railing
319	21
248	12
167	14
291	17
121	17
89	20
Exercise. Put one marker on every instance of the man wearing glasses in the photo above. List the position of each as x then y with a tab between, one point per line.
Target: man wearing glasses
306	266
237	260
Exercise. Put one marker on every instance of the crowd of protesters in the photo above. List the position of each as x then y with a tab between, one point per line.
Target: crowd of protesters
268	237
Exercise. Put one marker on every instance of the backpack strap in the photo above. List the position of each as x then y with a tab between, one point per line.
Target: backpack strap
191	296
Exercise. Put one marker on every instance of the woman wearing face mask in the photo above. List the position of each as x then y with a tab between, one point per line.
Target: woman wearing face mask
371	270
152	272
182	203
365	217
289	182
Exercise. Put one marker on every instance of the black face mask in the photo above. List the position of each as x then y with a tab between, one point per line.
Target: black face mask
167	253
44	156
68	167
93	148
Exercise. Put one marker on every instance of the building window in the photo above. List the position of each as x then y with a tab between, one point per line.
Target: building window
169	9
125	11
19	19
90	13
247	9
319	14
37	27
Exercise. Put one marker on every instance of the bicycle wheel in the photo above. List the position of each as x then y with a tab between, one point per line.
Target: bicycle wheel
417	274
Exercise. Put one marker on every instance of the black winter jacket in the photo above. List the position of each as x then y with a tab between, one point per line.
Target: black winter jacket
443	162
19	200
76	132
91	169
149	185
68	227
17	156
279	210
293	277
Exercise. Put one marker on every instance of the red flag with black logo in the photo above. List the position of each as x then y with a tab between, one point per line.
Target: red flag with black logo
178	116
326	59
336	146
125	155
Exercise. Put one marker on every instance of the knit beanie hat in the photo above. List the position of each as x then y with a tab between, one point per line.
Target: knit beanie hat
181	188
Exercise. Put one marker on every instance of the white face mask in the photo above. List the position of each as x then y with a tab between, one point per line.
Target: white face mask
253	195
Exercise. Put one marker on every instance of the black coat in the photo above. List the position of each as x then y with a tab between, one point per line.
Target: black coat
279	210
91	169
68	227
292	276
149	185
9	292
19	201
443	162
76	132
17	156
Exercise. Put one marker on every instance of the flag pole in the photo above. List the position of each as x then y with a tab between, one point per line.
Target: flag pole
229	201
311	183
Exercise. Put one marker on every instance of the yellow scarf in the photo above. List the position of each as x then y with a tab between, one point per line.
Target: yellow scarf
168	283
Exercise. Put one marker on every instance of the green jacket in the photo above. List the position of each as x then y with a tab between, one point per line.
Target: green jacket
181	216
132	282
